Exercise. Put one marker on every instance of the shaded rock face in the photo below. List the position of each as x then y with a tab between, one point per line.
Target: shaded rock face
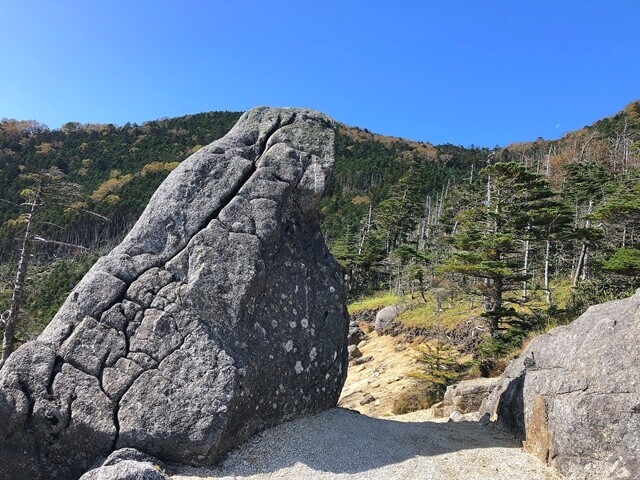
221	313
574	394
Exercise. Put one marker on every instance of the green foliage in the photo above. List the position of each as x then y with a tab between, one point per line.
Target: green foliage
50	287
425	222
375	302
377	196
88	154
439	366
488	245
625	261
510	340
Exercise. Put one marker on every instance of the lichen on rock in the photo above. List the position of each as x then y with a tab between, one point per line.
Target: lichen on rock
172	343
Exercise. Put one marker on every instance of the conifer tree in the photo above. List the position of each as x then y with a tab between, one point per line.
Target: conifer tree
494	237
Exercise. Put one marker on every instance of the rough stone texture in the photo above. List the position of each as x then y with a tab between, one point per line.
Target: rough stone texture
354	352
221	313
465	397
574	394
126	470
364	316
355	335
385	317
538	441
127	464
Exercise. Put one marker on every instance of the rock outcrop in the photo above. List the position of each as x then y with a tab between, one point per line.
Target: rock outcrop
385	317
127	464
355	335
573	396
221	313
465	397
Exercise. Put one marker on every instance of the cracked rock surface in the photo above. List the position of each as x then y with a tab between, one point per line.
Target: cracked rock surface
573	395
221	313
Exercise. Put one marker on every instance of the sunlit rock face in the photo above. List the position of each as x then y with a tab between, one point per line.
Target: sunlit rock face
221	313
573	395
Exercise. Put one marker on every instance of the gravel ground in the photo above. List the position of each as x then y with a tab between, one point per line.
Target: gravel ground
342	444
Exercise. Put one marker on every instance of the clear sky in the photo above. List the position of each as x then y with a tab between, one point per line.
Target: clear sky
483	72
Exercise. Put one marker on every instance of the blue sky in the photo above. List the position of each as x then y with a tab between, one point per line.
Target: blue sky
465	72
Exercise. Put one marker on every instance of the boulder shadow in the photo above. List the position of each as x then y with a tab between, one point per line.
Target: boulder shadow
341	441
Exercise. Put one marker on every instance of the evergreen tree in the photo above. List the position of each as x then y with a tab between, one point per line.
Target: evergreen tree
439	367
586	184
398	215
493	238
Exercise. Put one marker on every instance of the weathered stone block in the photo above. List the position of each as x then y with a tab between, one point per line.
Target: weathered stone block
221	313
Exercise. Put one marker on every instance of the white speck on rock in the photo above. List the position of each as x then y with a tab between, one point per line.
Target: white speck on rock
299	368
304	322
288	346
292	324
313	354
332	289
295	312
274	323
259	328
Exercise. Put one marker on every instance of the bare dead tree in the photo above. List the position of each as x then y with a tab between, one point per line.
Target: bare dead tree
49	189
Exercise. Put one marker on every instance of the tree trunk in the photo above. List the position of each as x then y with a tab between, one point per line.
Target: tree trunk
578	271
366	230
498	288
525	267
546	272
11	321
581	268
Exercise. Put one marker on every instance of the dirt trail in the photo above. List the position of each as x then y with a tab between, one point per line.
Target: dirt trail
345	444
384	378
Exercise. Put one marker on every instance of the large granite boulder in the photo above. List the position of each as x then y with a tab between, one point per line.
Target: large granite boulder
573	396
221	313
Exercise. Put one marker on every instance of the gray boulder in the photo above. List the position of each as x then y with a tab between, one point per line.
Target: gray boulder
127	464
385	317
126	470
221	313
354	352
465	397
355	335
573	396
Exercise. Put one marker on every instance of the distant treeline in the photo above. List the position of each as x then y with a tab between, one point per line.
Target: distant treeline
500	226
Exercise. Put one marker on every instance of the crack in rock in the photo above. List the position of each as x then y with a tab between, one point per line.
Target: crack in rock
170	343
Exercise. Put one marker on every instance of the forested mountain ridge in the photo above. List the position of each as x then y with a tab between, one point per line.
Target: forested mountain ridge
114	170
507	230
